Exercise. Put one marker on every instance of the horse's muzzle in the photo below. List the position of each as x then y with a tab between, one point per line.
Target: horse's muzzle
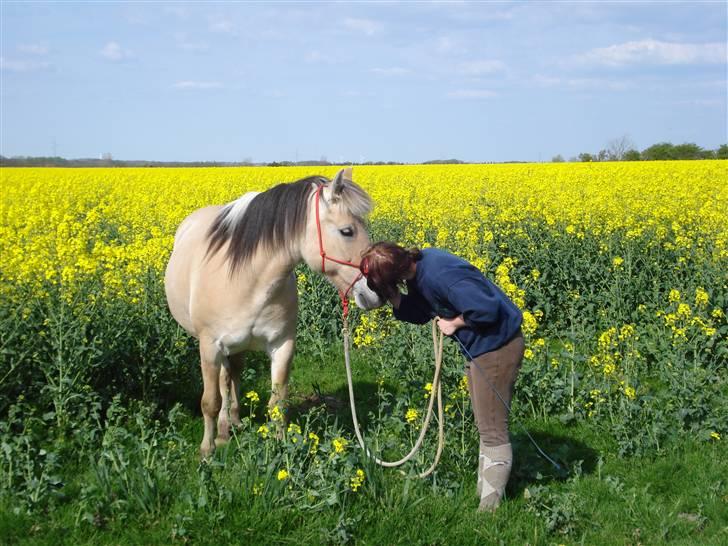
364	297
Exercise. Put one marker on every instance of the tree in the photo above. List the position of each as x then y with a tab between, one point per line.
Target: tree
631	155
557	159
659	152
585	157
688	150
722	152
617	148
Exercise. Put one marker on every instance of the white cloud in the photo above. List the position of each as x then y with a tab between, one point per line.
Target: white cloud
15	65
581	83
709	103
34	49
223	26
545	81
449	44
481	67
472	94
365	26
192	84
184	42
114	52
316	56
597	83
391	71
655	52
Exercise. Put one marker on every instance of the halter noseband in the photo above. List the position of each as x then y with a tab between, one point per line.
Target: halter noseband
343	294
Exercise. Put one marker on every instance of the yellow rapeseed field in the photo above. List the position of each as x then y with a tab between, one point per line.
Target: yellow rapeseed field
59	226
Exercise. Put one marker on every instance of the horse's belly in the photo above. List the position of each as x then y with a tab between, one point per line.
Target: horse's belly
267	328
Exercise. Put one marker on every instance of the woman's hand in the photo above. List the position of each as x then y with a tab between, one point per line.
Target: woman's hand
450	326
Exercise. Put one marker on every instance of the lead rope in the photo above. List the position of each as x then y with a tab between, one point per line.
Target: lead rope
436	386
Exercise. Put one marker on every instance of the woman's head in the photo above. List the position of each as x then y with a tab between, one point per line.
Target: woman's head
386	265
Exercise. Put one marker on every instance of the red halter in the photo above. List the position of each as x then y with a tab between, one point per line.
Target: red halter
344	295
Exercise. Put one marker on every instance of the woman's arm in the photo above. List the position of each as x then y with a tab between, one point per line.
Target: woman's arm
410	308
477	302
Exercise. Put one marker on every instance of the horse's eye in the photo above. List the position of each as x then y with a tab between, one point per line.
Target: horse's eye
347	232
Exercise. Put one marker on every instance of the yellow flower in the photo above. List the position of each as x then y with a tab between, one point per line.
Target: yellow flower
683	310
411	416
282	474
528	354
529	323
257	489
629	392
314	442
428	390
701	297
357	480
294	429
276	414
252	396
674	296
340	444
714	435
263	431
617	262
463	386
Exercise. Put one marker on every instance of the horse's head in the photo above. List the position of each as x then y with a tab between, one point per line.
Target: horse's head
337	237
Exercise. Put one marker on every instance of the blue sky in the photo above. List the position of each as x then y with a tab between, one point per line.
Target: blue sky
359	81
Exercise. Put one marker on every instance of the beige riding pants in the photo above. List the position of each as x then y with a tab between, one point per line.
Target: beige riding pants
497	369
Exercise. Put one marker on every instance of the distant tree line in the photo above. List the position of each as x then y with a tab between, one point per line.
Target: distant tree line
622	149
26	161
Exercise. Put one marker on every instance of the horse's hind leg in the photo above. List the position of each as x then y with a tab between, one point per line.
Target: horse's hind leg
280	366
211	360
230	392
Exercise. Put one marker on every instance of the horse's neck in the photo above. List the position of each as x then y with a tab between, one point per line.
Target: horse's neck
273	268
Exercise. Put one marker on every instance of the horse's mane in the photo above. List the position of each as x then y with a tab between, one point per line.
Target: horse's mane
273	218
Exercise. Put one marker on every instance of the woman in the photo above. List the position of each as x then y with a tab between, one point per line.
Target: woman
480	316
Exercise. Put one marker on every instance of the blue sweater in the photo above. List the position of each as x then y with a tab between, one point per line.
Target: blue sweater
448	286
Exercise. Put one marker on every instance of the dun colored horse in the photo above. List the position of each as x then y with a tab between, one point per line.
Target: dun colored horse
230	280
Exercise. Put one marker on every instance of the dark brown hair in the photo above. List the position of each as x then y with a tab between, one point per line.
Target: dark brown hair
385	266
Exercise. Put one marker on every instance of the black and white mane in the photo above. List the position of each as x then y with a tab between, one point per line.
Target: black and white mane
271	220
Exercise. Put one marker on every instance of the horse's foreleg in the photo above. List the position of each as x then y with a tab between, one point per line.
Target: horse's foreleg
230	392
211	360
280	358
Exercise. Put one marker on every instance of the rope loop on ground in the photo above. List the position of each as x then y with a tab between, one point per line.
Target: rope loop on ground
437	343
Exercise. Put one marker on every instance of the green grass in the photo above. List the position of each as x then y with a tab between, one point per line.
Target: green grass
679	496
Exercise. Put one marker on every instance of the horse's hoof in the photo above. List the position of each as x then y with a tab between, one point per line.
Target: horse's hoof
221	441
207	451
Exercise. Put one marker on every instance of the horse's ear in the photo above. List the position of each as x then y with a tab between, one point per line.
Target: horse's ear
337	186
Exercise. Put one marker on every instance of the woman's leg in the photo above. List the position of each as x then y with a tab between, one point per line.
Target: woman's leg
491	372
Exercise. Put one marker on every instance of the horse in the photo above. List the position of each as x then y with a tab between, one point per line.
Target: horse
230	281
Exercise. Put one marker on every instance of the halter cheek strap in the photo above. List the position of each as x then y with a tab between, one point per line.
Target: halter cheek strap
343	294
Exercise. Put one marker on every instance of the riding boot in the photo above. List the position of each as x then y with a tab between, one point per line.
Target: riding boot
494	470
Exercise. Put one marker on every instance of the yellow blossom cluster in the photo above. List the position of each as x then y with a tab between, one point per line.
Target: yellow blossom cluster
340	444
686	323
411	416
357	480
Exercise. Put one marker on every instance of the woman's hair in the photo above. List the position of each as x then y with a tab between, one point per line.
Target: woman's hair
385	266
